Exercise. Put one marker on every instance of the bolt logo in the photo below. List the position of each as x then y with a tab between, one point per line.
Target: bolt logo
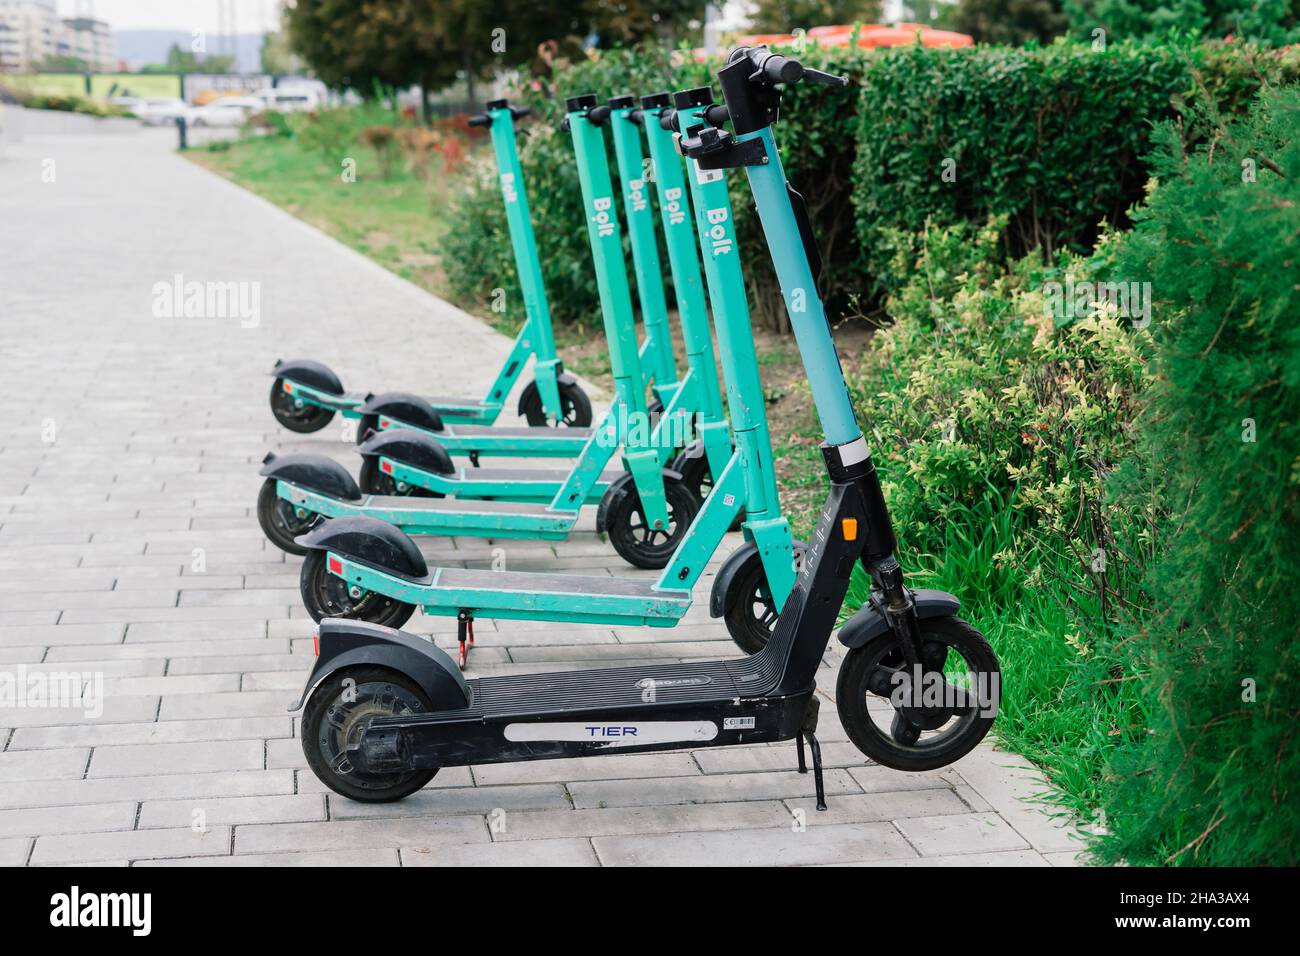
719	234
602	217
673	206
636	194
508	187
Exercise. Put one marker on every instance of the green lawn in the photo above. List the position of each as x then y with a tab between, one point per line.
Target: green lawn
399	222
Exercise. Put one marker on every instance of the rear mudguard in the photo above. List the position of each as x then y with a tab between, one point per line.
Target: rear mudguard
621	486
410	447
727	572
870	621
345	643
405	407
315	375
370	541
313	472
563	379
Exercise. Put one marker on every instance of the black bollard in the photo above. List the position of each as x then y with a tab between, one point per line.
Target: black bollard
181	129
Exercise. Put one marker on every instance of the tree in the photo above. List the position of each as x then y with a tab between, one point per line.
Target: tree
186	61
1267	21
785	16
1010	21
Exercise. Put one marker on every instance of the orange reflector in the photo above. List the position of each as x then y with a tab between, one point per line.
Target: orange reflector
315	643
385	466
288	387
336	566
850	526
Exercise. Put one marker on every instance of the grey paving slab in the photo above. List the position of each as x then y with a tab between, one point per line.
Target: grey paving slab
129	551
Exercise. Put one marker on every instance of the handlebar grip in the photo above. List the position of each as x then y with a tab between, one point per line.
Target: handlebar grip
480	119
782	69
668	119
598	115
519	112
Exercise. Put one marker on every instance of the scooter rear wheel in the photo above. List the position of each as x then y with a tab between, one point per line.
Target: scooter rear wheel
375	482
631	535
302	419
327	595
926	737
336	716
751	613
280	521
575	406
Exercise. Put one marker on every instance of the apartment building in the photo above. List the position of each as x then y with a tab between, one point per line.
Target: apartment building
31	32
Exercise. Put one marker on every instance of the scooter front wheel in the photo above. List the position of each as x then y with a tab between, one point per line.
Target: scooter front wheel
575	406
751	613
297	418
631	535
934	725
280	521
335	718
375	482
328	595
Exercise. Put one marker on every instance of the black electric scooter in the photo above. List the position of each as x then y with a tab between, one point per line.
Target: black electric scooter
385	710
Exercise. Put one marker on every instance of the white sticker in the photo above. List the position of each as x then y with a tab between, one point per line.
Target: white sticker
616	733
738	723
728	500
705	176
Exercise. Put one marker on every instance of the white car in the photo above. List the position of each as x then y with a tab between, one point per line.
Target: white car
160	110
289	99
227	111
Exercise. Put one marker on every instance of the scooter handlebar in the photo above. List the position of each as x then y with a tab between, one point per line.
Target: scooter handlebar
772	68
480	119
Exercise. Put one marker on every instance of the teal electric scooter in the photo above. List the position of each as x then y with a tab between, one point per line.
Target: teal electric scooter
369	570
306	394
645	509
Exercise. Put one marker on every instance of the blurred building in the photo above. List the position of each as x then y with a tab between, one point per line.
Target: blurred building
32	34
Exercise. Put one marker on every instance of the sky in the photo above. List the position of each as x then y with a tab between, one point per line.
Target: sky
251	16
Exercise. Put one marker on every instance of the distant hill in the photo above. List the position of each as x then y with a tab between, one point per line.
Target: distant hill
140	47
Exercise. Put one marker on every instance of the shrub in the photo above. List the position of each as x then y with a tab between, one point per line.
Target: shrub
1211	778
995	426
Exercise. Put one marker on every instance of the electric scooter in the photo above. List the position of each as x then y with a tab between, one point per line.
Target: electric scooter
383	710
345	575
306	394
646	509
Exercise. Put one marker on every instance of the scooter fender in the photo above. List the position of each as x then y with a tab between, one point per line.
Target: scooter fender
344	644
315	375
410	447
405	407
870	621
620	487
368	541
313	472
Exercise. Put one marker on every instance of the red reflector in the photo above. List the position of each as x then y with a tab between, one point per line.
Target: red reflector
336	566
288	387
386	466
315	643
385	423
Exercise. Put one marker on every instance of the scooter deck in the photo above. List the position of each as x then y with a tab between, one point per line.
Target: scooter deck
448	516
585	713
524	595
538	485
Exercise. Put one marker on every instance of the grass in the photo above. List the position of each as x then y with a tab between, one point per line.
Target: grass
399	222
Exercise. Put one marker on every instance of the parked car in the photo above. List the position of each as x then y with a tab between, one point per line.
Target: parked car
227	111
160	110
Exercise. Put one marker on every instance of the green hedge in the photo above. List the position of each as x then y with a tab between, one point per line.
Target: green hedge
1210	776
1052	140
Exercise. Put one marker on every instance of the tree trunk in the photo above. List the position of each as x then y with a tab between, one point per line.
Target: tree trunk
424	102
469	80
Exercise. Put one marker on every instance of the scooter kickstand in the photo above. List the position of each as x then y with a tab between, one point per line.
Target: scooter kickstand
465	635
803	764
817	768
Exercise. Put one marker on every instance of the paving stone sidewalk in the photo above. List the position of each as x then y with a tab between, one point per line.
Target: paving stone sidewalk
129	550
